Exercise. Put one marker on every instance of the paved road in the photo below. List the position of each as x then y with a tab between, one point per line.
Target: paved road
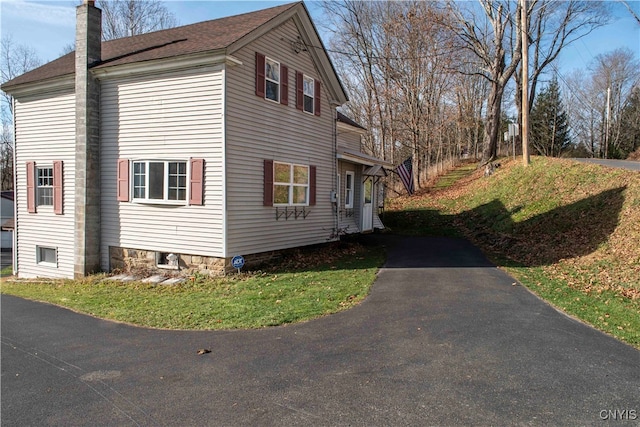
622	164
445	338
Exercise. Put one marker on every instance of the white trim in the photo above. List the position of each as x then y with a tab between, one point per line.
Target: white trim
42	88
346	128
39	260
165	190
268	59
352	188
360	158
312	96
291	184
201	59
223	126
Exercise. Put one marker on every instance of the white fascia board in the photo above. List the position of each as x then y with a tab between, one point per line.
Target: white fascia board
202	59
43	87
361	158
351	129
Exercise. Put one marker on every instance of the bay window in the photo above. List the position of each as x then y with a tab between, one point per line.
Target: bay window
160	181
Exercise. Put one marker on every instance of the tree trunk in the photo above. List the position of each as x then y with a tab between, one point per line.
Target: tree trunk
492	129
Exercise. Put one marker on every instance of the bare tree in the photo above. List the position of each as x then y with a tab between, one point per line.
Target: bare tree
491	36
15	59
124	18
614	75
553	25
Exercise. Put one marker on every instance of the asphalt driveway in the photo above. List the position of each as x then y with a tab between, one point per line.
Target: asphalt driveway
445	338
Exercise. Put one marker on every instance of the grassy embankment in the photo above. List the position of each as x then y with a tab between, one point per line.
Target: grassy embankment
569	232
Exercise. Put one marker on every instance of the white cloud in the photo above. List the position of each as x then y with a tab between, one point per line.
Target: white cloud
57	13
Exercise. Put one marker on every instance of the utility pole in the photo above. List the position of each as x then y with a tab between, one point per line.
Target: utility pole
607	124
524	134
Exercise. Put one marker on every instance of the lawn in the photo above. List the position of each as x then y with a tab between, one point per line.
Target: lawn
307	284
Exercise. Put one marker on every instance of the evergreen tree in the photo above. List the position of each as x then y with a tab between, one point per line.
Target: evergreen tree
549	125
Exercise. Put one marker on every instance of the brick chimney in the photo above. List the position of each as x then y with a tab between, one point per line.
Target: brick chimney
87	157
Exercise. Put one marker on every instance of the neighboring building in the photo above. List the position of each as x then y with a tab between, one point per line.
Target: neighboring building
184	147
6	220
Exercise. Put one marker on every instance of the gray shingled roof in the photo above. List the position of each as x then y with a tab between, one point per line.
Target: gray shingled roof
189	39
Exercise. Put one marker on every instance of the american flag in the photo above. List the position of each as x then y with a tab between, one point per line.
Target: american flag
405	171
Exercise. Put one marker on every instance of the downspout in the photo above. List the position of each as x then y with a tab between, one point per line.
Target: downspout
336	222
14	237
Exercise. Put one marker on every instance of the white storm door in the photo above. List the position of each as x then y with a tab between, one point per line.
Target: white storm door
367	206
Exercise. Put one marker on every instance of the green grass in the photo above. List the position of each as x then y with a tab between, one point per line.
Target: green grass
453	176
605	309
7	271
252	300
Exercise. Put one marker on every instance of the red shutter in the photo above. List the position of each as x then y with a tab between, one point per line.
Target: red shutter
123	180
196	183
312	185
284	85
57	188
316	98
268	183
260	75
31	187
299	91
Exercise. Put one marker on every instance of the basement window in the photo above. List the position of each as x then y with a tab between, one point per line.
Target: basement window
47	256
167	260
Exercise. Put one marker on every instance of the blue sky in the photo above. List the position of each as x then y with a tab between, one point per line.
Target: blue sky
48	26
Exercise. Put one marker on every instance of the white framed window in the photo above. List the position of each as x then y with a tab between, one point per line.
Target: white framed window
348	190
47	256
160	181
272	79
290	184
308	85
44	186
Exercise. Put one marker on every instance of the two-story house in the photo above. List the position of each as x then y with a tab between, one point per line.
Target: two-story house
181	148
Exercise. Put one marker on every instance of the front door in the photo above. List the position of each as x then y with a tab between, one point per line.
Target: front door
367	206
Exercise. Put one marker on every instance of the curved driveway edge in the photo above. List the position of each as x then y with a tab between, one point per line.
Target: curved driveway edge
445	338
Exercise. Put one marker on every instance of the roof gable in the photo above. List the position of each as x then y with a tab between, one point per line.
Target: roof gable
225	34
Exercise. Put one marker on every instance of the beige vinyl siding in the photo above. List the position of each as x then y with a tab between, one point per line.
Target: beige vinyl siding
258	129
350	223
45	131
172	116
348	138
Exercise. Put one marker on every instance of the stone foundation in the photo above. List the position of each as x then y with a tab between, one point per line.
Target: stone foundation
143	262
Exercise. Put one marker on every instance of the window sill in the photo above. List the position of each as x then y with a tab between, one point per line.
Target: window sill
47	264
160	202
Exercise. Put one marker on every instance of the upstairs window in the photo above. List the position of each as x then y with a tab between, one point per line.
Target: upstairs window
307	94
272	79
272	84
